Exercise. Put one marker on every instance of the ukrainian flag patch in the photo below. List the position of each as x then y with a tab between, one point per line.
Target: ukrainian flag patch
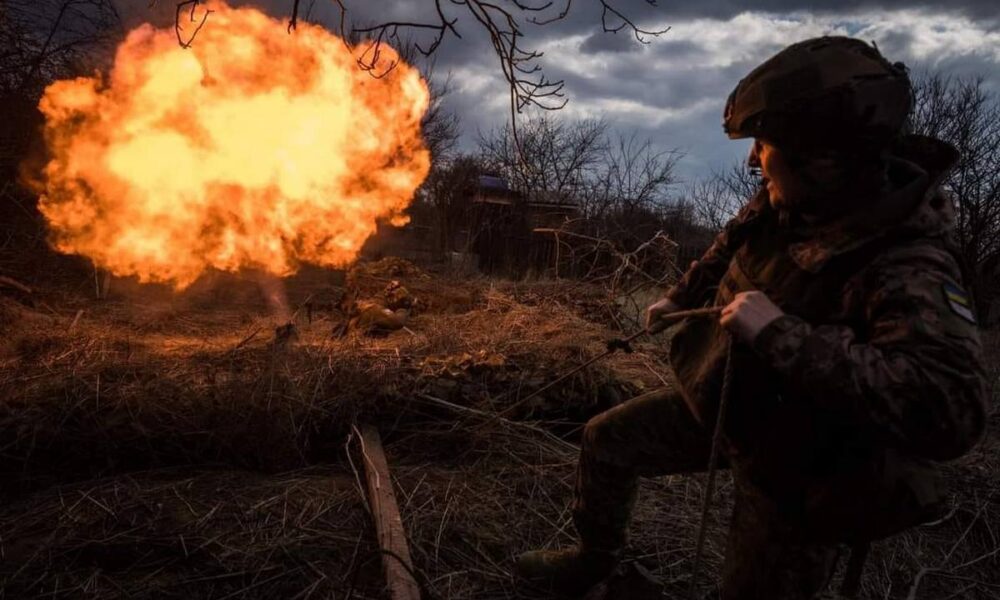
959	302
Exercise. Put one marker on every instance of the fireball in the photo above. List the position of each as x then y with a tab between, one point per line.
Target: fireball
252	148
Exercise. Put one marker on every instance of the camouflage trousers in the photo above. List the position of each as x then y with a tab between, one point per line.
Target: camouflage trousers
654	435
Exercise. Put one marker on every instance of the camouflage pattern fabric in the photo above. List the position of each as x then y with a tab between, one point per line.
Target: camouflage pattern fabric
654	435
767	556
874	372
651	435
842	406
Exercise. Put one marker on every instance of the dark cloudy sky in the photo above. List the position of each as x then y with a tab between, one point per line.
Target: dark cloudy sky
673	89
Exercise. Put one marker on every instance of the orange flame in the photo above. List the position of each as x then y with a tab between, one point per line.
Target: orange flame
252	148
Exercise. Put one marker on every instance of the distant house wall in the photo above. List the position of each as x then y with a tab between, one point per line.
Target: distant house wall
510	233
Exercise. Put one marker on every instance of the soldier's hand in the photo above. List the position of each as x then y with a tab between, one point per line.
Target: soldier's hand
748	314
657	310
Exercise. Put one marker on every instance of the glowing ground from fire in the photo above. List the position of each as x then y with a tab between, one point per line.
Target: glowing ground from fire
251	148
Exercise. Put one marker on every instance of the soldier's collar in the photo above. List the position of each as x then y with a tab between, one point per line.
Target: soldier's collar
910	206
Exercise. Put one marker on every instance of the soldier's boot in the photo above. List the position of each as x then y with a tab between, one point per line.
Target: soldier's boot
571	571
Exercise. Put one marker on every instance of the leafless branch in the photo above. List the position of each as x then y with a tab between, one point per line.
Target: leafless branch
42	40
191	6
609	14
502	23
966	113
294	20
719	197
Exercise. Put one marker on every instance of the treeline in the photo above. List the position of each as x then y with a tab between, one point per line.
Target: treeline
624	188
627	188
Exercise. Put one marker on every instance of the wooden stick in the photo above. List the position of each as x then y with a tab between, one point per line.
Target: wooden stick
396	562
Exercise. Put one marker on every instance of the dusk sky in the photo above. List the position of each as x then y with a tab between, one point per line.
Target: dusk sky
672	90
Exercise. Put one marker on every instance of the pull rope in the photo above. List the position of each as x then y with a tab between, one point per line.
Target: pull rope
713	464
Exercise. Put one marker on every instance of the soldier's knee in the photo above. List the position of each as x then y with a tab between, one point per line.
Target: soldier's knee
596	434
591	432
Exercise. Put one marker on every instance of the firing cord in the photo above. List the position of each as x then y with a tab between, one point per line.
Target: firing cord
713	465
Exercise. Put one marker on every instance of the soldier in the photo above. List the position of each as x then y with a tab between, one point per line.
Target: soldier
856	360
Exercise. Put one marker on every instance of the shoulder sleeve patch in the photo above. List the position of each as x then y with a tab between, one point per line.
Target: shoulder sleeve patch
958	301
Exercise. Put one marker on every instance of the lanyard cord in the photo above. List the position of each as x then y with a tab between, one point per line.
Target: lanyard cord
713	464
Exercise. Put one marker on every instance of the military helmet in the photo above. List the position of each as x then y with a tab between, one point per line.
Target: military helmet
827	92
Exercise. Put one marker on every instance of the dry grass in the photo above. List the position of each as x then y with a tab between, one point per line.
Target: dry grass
139	385
191	533
163	447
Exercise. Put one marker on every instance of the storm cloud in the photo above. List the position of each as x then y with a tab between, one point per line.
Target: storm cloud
672	89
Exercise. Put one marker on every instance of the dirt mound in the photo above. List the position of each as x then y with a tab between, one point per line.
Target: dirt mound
390	267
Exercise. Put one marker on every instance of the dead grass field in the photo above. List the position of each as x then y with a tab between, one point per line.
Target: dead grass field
163	445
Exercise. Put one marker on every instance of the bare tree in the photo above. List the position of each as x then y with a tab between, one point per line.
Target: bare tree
556	157
614	179
621	185
40	41
502	21
43	40
716	199
440	126
965	113
631	176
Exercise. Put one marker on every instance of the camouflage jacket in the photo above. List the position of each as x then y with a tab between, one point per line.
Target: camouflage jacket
873	372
